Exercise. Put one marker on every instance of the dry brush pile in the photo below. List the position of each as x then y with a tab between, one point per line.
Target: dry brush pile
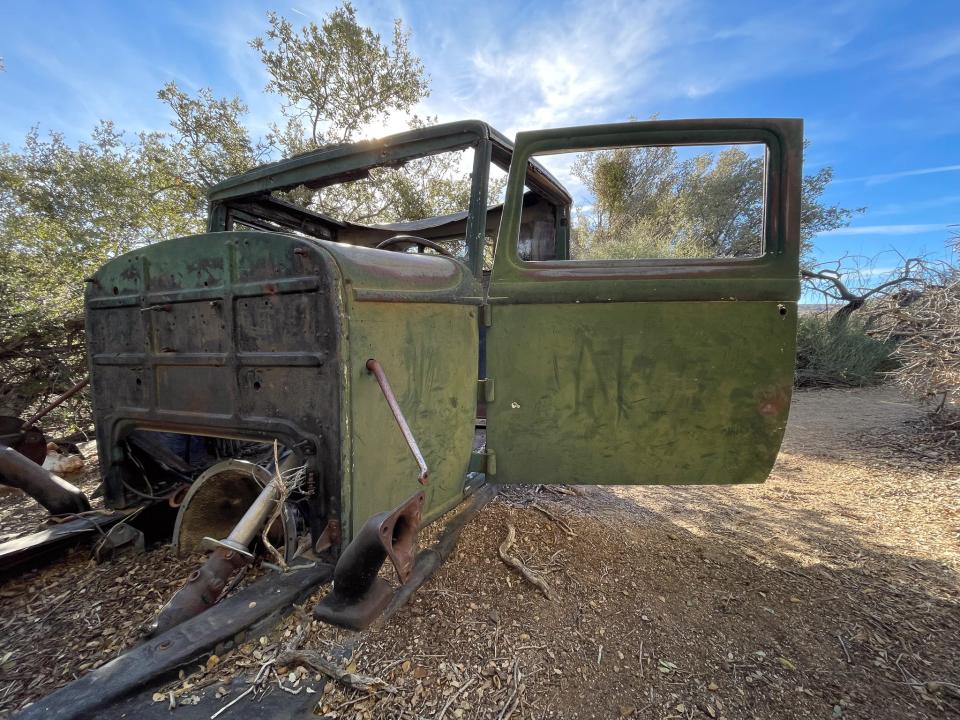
41	358
924	326
927	332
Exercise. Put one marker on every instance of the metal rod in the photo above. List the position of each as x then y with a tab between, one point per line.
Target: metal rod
66	396
245	531
374	367
256	515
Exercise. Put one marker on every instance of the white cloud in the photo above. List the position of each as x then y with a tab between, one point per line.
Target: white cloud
913	206
887	177
602	61
575	69
886	229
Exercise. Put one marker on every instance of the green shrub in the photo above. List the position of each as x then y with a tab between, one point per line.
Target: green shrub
831	352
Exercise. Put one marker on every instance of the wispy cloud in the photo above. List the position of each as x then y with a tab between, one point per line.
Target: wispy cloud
887	229
606	56
900	208
934	50
887	177
878	271
596	61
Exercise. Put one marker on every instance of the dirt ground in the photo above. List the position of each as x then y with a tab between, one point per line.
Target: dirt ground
831	591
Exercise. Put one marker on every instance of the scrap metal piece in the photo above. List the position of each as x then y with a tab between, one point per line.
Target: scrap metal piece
359	595
376	369
54	493
120	538
29	441
36	547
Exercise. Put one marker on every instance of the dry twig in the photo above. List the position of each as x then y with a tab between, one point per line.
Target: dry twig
526	572
454	695
315	660
558	520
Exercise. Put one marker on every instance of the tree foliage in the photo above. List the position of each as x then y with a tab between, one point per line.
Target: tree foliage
64	211
67	209
337	77
650	202
334	80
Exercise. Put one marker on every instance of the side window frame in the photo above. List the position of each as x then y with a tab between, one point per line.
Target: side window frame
780	255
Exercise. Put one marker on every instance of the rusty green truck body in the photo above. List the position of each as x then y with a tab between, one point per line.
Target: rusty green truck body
594	371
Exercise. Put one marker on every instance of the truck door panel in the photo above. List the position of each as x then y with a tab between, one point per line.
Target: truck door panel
646	371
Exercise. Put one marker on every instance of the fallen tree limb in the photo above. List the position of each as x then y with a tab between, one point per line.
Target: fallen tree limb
558	520
316	661
526	572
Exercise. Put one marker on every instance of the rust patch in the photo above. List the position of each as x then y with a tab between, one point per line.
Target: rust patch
774	402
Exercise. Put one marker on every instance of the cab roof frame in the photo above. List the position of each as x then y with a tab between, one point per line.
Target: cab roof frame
249	197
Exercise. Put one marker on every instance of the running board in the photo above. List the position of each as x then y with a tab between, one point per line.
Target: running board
165	654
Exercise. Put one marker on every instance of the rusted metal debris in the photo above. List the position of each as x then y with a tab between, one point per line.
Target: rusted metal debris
27	440
32	549
53	492
177	647
228	556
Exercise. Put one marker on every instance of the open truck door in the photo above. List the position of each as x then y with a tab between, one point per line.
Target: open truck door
649	370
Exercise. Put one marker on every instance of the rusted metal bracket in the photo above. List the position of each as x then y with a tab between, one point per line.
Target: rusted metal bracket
483	461
485	389
359	595
377	370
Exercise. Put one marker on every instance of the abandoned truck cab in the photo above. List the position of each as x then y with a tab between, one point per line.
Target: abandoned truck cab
318	376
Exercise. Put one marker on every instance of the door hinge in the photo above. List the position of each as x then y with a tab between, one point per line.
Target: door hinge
485	390
486	315
483	461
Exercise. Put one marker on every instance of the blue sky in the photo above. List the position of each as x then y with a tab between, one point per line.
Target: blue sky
878	83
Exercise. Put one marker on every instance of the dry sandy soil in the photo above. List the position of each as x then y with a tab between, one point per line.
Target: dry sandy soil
831	591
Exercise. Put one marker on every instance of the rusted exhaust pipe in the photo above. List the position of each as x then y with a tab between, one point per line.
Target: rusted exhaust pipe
54	493
359	595
228	556
203	589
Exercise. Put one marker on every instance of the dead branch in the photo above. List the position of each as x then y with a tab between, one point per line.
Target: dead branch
558	520
526	572
836	289
314	660
926	331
